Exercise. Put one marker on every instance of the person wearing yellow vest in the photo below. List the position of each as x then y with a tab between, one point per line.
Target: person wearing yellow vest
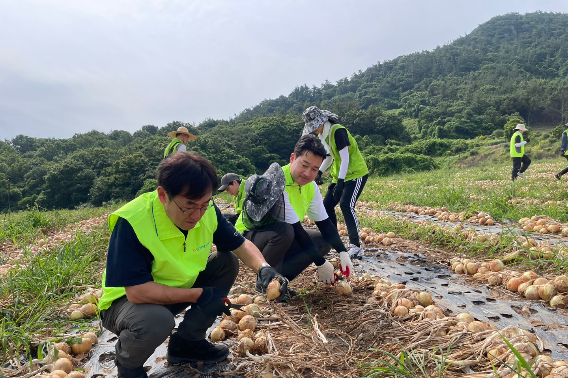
275	205
563	151
180	138
235	186
349	171
159	263
517	150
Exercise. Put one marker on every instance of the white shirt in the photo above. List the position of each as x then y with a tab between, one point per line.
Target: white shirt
316	211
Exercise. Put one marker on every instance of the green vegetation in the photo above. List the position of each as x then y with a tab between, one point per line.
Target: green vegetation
407	114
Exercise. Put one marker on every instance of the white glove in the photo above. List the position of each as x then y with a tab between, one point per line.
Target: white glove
325	273
346	264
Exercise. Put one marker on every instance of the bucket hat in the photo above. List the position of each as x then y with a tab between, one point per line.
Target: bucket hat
521	126
314	117
182	130
262	192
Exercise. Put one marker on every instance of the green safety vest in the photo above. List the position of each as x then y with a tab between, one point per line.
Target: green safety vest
300	197
240	198
177	259
513	149
357	166
172	147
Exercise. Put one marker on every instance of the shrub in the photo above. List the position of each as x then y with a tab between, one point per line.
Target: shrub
392	163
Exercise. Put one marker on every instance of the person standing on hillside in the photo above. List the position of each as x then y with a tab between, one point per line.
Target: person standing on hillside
517	149
349	171
275	205
563	151
235	186
180	138
159	263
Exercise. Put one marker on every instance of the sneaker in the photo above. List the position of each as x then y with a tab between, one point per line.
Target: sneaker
355	252
182	351
124	372
557	176
521	175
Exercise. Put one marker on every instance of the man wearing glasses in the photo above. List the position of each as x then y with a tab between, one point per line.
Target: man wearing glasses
160	263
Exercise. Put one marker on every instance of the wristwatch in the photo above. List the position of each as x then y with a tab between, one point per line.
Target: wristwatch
263	265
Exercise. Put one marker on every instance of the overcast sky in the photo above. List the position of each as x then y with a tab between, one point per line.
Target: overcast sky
70	66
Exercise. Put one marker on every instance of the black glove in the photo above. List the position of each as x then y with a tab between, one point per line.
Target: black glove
211	302
318	179
527	139
266	274
338	191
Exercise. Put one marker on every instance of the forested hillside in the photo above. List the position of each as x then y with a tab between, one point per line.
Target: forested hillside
400	110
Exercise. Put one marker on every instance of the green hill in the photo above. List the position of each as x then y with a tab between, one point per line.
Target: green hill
406	113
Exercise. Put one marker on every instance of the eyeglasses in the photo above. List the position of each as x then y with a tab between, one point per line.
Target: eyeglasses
192	210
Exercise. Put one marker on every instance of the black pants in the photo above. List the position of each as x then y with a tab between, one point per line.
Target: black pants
565	170
283	252
520	164
141	328
351	191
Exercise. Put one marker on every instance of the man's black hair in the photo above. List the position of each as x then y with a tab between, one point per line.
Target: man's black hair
188	174
310	143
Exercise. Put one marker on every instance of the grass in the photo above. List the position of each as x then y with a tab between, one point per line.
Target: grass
24	226
34	296
485	188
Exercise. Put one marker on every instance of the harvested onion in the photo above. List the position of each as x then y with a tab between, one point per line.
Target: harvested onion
218	334
273	290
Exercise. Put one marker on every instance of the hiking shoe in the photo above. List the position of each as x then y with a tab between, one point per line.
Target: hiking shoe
124	372
521	175
181	351
355	252
557	176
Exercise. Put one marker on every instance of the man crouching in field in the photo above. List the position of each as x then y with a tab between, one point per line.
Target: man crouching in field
160	262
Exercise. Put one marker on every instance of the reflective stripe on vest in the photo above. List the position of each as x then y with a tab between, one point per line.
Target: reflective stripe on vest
172	266
513	149
357	166
172	147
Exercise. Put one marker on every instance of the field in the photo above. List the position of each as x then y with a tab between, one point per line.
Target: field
50	258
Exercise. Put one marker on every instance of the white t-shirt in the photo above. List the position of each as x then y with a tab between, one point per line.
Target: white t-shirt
316	211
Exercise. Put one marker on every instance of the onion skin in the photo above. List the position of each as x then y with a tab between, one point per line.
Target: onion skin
63	364
546	292
218	334
424	298
401	311
246	344
561	284
247	322
513	283
496	265
532	293
82	347
540	281
76	374
273	290
529	276
559	301
465	317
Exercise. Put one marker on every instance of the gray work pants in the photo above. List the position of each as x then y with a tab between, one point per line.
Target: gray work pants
141	328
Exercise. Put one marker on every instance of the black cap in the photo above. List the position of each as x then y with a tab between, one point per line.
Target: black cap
227	179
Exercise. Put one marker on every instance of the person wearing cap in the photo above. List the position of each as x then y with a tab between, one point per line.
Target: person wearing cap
349	171
563	150
517	150
284	196
233	184
160	262
180	138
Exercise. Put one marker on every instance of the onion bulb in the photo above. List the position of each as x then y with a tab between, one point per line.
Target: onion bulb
471	268
343	288
89	309
218	334
522	287
540	281
93	336
496	265
64	347
229	326
528	276
237	315
244	299
76	374
532	292
477	326
465	317
558	301
424	298
76	315
546	292
247	322
513	283
494	280
246	333
58	373
83	347
245	345
273	290
391	235
405	302
561	284
261	345
401	311
63	364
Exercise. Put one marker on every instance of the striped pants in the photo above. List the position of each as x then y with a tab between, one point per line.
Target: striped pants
351	191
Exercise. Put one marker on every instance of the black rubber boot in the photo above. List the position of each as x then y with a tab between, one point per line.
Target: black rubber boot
182	351
124	372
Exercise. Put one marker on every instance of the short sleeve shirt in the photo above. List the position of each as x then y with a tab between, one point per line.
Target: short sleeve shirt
341	139
316	211
129	263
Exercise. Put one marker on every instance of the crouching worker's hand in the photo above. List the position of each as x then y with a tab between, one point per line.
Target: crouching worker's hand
325	273
211	302
346	264
267	274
